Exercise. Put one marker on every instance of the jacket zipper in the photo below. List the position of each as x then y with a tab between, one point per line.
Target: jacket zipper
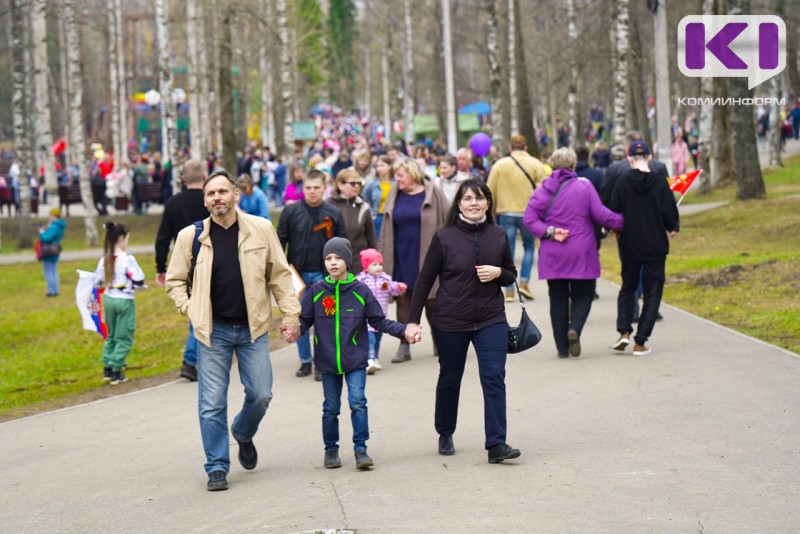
338	344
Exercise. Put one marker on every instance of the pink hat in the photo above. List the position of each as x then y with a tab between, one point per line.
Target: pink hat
370	256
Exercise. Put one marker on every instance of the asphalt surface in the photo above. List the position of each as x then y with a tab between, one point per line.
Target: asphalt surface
701	435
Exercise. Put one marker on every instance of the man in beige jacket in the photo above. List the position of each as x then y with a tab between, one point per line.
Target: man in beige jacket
512	181
228	298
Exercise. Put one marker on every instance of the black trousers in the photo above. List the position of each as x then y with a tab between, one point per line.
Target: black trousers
490	345
565	296
652	274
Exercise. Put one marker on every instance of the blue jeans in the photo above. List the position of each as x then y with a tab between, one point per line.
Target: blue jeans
332	389
490	345
378	221
214	373
51	276
511	224
374	344
190	350
304	341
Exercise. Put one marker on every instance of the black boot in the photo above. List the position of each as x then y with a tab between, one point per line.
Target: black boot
305	370
446	447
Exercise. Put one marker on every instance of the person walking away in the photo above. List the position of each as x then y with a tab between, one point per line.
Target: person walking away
180	211
340	308
119	273
563	213
303	230
384	288
413	211
512	181
52	234
651	219
238	270
472	260
357	217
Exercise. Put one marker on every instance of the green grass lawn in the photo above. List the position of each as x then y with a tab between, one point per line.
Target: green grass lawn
739	265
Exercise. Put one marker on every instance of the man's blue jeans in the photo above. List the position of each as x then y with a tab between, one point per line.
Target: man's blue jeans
214	371
303	342
511	224
190	350
332	389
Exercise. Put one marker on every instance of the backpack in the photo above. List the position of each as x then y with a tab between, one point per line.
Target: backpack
198	229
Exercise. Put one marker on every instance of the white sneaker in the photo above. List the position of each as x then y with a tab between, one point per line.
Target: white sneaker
371	367
377	364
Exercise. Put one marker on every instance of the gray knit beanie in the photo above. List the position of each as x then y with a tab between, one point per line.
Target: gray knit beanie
341	247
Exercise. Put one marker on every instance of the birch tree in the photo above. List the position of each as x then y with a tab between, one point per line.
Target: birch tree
193	53
495	75
122	86
621	71
524	101
264	62
704	138
20	31
287	97
203	96
169	139
408	73
113	79
513	105
76	119
226	90
43	132
215	100
572	88
775	125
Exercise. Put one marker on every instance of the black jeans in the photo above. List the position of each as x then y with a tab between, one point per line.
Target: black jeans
567	296
490	344
652	275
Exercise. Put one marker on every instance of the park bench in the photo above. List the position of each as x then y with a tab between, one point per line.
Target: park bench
71	194
7	199
148	192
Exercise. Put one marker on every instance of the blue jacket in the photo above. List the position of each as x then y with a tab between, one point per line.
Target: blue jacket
54	233
339	312
372	194
255	204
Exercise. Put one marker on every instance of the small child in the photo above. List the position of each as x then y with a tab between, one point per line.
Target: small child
340	307
384	289
119	273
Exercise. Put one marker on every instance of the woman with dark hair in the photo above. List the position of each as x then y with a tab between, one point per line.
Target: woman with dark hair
472	259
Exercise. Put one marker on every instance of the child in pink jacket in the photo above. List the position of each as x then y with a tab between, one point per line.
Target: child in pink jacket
384	289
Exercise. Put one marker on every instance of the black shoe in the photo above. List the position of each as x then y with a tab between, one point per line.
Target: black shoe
574	342
217	481
305	370
317	374
659	317
363	461
446	447
189	372
595	296
107	373
501	452
332	460
248	455
117	378
563	354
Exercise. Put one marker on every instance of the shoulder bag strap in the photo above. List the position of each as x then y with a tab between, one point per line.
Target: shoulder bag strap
528	176
547	211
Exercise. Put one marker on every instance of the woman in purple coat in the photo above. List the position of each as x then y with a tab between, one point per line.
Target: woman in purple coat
561	213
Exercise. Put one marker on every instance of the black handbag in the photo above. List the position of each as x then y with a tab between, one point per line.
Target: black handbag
524	336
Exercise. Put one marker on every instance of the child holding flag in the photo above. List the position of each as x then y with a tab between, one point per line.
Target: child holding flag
120	274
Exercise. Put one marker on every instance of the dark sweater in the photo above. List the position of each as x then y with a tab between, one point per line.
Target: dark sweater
647	203
463	302
180	211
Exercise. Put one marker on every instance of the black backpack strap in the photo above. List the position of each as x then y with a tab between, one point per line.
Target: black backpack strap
528	176
198	229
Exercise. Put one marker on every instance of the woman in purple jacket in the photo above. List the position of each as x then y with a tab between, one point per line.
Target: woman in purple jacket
561	213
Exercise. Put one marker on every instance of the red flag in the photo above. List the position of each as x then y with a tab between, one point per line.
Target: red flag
680	184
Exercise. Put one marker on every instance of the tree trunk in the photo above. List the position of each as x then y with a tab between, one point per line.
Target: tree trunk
387	101
572	87
76	119
513	104
226	90
408	74
495	75
264	62
64	88
123	89
113	81
20	29
169	143
723	167
775	125
524	102
637	119
287	95
204	86
216	102
704	139
44	133
193	53
621	71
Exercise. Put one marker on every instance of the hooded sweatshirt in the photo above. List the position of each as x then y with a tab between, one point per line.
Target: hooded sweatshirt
648	205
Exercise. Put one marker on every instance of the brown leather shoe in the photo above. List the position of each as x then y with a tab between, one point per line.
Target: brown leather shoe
525	291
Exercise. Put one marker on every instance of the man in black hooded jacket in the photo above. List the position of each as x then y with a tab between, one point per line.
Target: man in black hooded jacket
651	219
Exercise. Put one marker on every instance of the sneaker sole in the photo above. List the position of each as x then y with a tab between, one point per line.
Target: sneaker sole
641	352
218	487
365	464
371	370
621	344
333	466
574	343
511	456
